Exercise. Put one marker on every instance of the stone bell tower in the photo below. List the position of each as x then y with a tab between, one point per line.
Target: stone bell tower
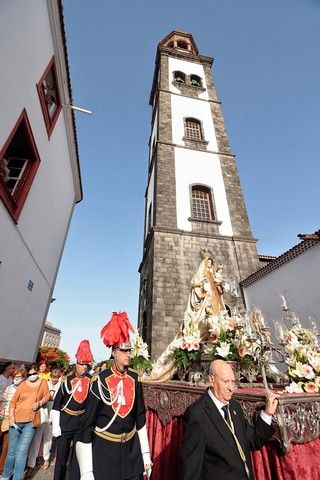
193	199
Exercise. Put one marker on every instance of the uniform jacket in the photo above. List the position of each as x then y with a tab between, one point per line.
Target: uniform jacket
69	422
115	460
209	449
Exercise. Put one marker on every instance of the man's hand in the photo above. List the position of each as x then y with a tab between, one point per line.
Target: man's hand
271	403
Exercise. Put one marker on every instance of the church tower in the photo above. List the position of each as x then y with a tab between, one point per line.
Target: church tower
193	199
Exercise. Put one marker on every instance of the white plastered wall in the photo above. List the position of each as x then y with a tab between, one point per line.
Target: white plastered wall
188	68
149	200
153	135
32	248
298	280
194	167
183	107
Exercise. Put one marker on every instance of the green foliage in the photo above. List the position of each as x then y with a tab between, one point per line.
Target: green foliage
53	355
108	362
140	363
184	358
247	362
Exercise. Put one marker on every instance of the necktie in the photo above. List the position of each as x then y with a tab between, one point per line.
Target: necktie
226	412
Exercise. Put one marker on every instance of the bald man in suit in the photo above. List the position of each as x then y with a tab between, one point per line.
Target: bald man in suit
218	439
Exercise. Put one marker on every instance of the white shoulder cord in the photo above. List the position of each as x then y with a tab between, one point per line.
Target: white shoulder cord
116	395
103	397
70	392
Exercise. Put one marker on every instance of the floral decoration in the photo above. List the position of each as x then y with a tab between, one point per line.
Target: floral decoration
188	348
139	355
231	339
302	356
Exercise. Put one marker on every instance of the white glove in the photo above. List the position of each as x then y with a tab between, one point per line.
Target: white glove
147	464
145	451
84	456
56	431
55	420
87	476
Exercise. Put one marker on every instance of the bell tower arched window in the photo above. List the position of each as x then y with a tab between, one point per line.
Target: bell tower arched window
182	44
195	81
193	129
202	208
179	77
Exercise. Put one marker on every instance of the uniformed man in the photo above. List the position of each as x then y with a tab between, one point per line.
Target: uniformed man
68	408
114	443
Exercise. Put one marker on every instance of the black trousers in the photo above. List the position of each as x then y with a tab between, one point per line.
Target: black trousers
65	452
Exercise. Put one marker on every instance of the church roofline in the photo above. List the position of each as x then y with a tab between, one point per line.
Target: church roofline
174	33
308	241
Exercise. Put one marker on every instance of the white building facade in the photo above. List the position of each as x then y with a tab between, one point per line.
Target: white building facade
39	168
51	336
295	275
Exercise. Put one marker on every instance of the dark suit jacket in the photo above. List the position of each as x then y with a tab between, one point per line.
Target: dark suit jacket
209	451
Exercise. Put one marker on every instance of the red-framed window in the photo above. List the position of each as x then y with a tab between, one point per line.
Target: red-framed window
49	96
202	208
19	161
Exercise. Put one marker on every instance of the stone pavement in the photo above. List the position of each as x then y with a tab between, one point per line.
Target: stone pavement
40	474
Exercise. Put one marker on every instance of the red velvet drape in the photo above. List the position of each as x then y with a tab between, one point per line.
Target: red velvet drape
300	463
270	463
165	445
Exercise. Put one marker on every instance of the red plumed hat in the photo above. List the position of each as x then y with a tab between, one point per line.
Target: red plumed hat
84	354
116	332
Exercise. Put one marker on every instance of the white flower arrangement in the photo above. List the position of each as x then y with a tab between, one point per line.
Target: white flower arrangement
191	339
229	338
140	355
302	352
139	348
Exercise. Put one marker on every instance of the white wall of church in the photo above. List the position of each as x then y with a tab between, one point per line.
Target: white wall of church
298	280
195	167
32	248
188	68
182	107
150	197
153	137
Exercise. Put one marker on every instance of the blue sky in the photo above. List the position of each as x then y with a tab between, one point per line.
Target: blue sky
267	75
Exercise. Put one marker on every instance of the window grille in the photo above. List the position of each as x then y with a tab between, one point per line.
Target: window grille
201	204
193	129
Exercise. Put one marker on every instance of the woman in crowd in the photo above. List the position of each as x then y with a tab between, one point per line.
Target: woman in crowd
18	377
30	396
6	376
44	372
44	431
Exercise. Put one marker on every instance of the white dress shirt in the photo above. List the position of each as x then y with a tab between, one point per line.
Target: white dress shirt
265	417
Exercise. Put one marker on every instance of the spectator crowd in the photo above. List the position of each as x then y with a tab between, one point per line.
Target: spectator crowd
24	392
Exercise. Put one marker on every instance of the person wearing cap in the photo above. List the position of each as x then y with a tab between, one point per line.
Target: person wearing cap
113	443
69	406
218	439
